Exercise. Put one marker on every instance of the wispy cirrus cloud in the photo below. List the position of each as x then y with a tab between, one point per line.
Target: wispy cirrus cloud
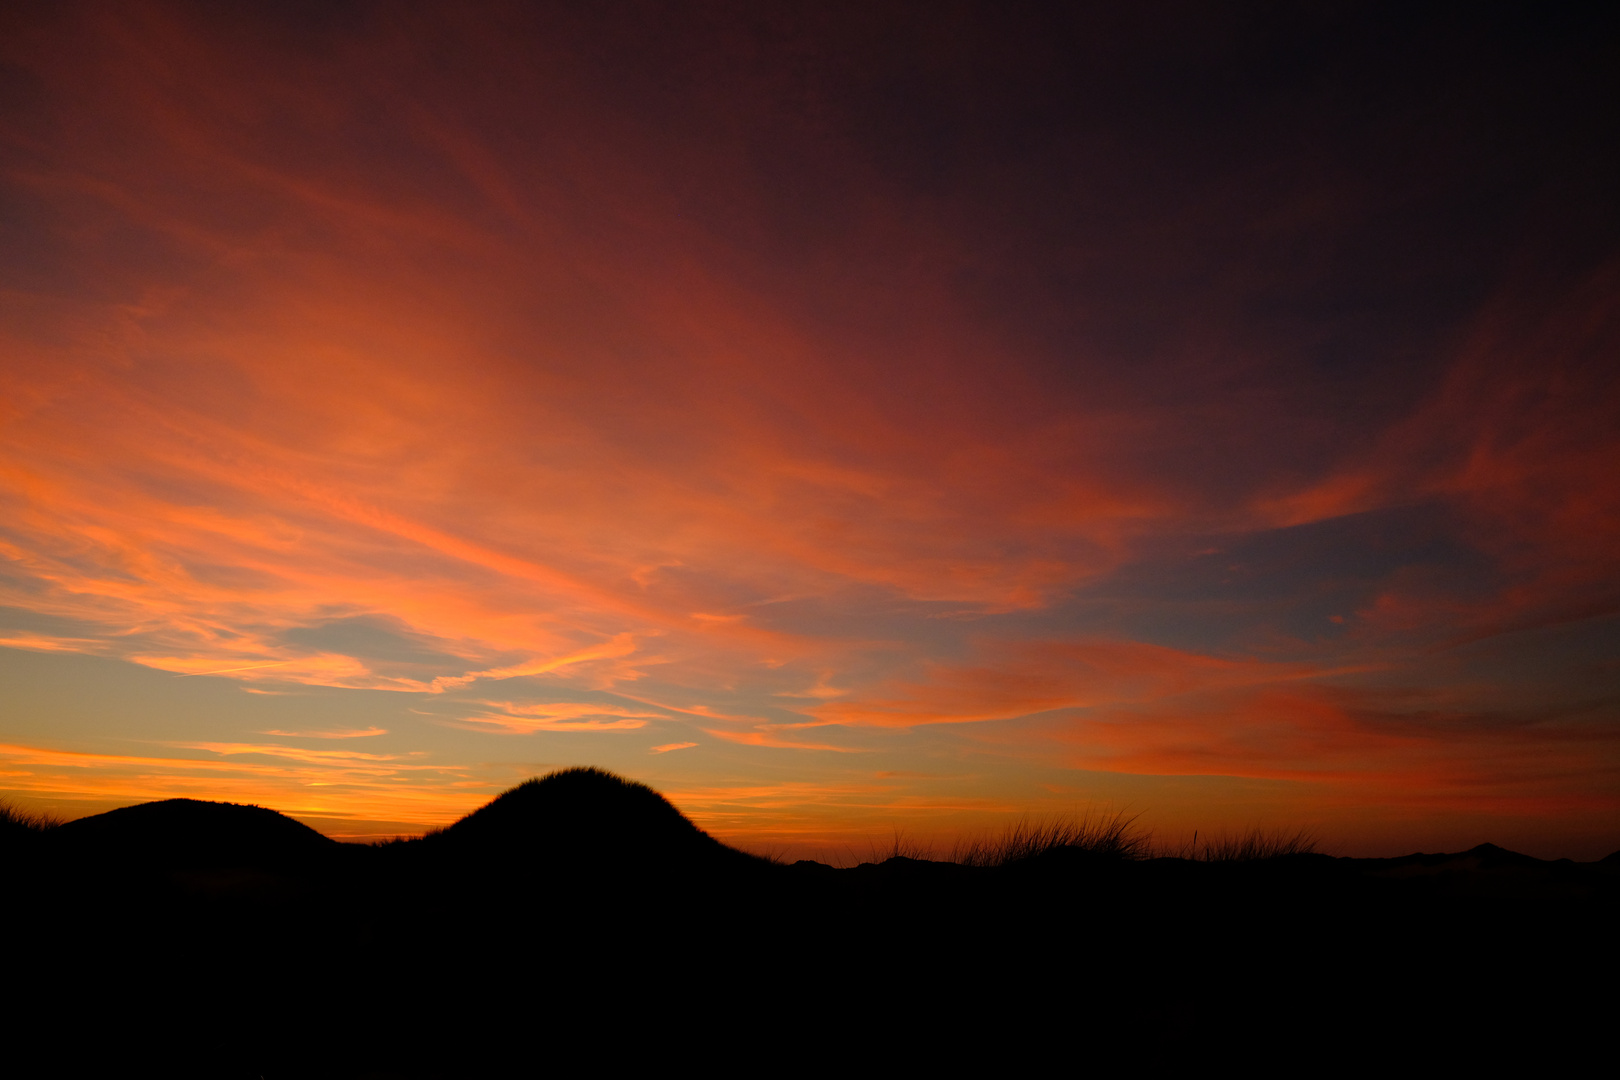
744	414
1016	679
668	747
521	719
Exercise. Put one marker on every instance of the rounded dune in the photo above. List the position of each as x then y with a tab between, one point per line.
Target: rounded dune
586	816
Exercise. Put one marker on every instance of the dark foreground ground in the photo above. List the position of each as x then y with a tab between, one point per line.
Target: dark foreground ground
580	922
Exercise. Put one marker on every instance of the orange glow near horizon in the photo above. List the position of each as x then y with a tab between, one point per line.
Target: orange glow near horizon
379	426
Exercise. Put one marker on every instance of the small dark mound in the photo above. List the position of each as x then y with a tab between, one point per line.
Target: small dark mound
191	834
587	816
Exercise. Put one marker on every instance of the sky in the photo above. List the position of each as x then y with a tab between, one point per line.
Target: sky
853	420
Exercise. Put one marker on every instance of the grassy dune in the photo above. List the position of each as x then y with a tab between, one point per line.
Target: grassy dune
583	910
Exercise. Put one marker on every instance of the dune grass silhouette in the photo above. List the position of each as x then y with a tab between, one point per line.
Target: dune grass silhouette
584	908
20	826
1113	836
1253	846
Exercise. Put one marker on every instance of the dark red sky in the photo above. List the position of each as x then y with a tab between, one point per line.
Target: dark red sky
836	416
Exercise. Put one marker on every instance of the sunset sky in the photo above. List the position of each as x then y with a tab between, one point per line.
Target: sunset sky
845	418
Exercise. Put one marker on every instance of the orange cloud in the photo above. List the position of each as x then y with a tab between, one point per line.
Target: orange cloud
312	785
1359	745
336	371
559	716
762	736
1034	677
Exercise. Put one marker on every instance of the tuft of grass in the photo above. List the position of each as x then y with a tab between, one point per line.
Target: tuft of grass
1114	835
17	822
1256	845
774	854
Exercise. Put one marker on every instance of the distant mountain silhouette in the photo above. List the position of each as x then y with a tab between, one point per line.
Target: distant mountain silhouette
1489	856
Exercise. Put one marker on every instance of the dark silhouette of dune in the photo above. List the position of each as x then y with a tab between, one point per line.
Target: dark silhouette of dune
193	835
586	817
583	910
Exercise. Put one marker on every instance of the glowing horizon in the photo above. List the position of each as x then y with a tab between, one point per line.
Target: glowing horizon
396	407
